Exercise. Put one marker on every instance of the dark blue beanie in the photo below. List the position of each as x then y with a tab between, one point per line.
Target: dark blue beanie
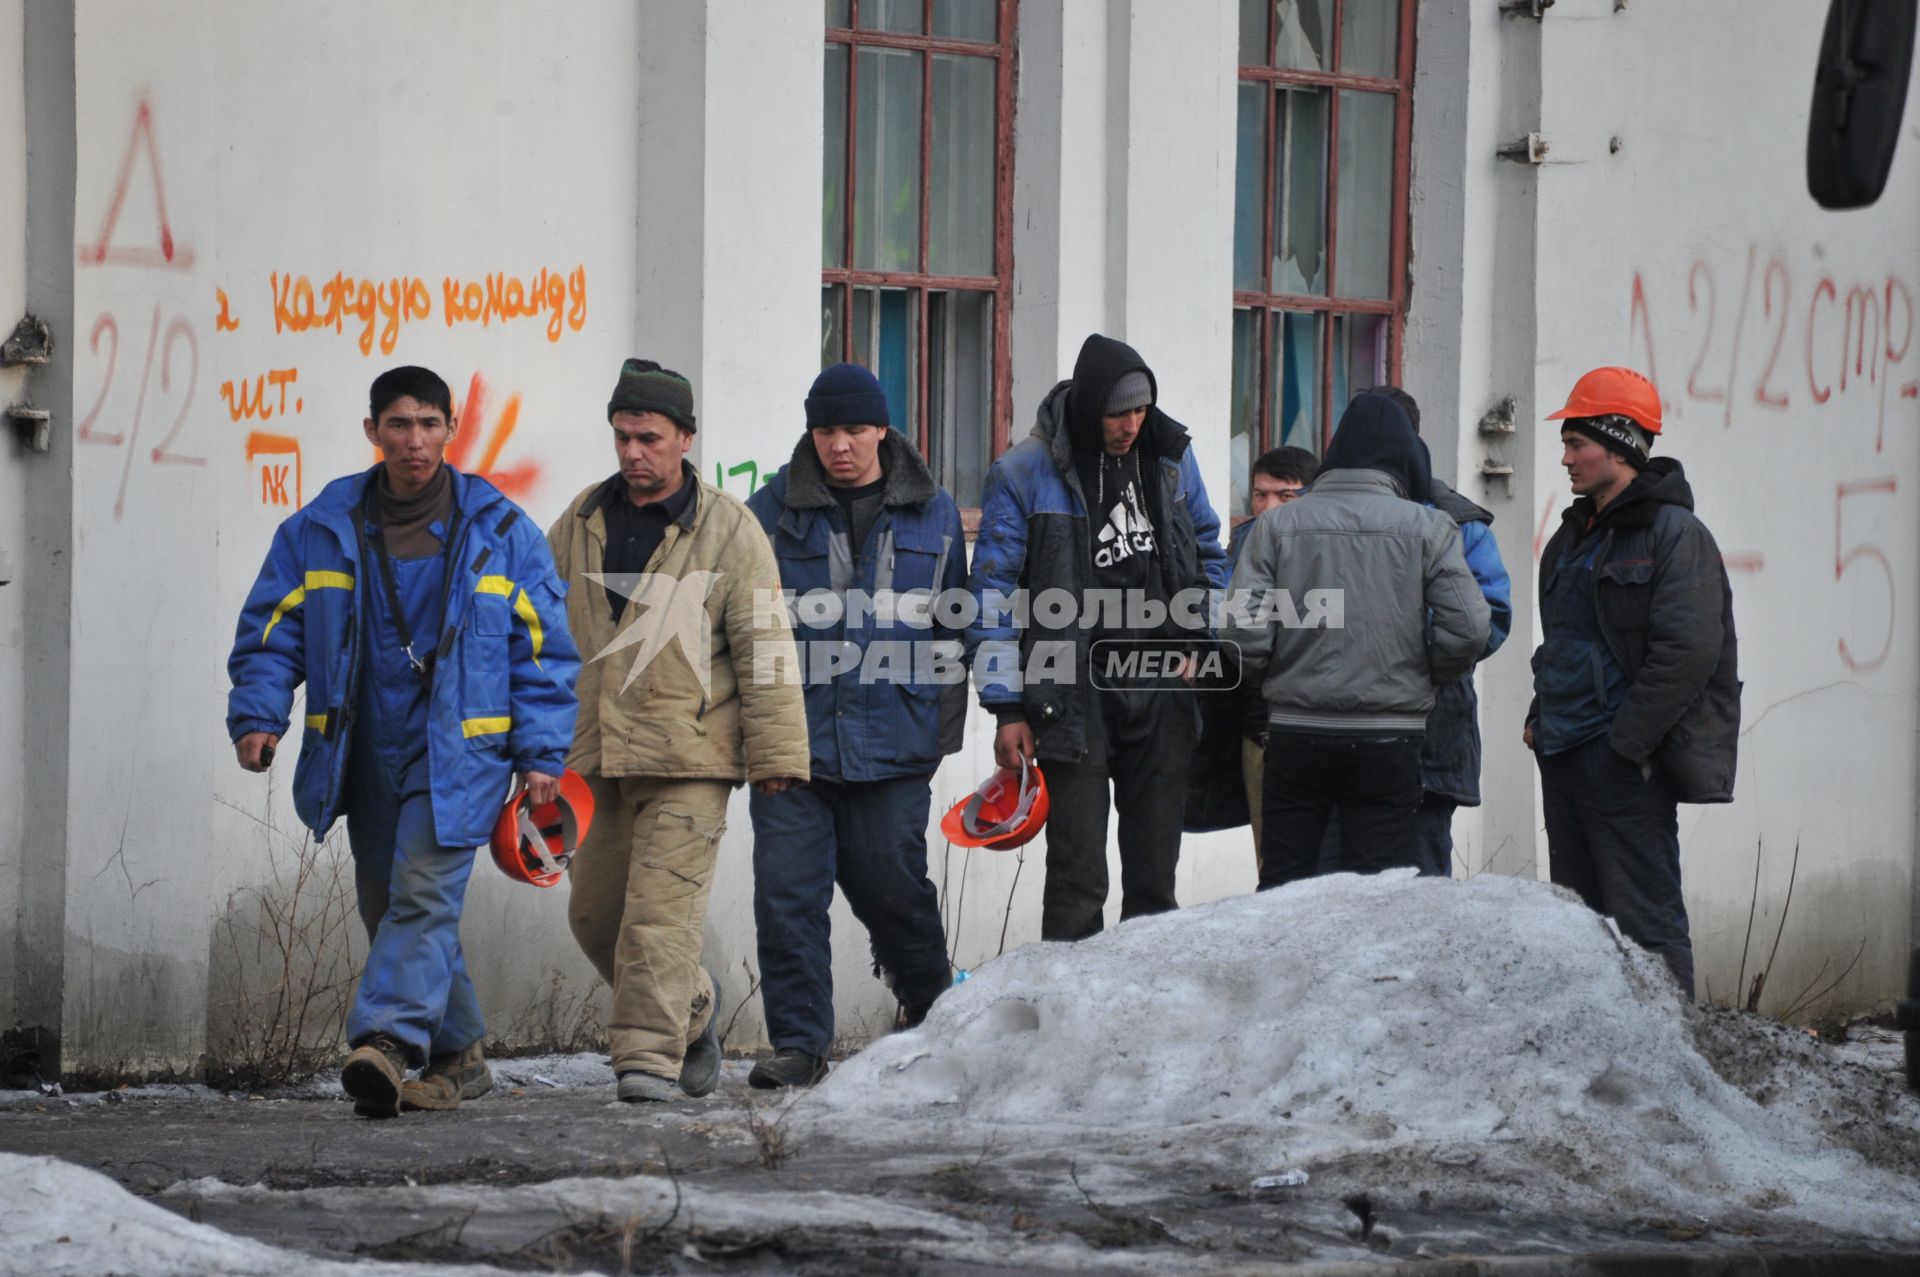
846	395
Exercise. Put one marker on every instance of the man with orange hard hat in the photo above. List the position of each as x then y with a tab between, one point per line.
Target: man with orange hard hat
1636	702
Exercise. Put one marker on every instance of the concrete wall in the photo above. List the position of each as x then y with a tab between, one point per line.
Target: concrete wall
191	179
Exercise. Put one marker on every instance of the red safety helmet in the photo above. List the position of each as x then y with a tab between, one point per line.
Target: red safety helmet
534	843
1614	390
1004	813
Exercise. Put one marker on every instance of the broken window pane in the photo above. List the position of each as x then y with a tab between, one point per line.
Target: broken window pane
960	214
1300	201
1304	31
886	205
1366	194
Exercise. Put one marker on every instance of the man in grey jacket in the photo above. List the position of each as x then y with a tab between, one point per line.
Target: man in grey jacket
1357	603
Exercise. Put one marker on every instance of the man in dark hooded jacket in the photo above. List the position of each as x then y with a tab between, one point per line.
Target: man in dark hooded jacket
1636	703
1100	517
1357	602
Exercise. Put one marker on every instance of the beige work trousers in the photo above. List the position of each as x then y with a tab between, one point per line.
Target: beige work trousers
638	906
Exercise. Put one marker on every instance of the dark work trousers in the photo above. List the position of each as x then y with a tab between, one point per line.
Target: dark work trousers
1613	836
1372	781
872	839
1433	835
1139	746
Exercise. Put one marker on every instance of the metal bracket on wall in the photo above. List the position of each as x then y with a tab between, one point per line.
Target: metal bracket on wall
1496	427
33	425
1531	149
31	343
1535	9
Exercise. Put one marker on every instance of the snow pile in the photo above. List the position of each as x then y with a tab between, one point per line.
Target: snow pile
1485	1044
59	1219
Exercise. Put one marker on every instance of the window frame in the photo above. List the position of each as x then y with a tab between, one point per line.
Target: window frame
919	282
1327	308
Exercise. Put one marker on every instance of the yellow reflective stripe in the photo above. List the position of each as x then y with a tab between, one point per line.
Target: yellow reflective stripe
318	722
315	581
501	585
523	608
472	727
285	606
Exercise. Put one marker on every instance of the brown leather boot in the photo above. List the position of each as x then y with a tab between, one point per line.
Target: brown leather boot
447	1080
373	1075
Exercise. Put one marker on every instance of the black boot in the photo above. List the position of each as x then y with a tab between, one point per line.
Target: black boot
789	1066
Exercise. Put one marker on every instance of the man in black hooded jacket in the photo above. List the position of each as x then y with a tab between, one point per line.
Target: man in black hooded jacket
1358	604
1103	498
1636	703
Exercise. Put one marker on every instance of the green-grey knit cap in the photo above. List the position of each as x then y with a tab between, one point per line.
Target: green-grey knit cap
645	386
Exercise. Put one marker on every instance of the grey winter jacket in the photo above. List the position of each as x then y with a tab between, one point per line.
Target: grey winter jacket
1350	647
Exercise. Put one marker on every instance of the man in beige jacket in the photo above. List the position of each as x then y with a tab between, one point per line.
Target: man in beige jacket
663	573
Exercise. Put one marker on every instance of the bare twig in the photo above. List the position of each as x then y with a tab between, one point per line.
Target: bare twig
1007	917
753	986
1808	997
1753	905
1753	1002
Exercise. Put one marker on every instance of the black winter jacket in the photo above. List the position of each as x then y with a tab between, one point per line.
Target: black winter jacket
1666	610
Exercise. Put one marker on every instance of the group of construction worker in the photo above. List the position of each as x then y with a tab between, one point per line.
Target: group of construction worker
668	643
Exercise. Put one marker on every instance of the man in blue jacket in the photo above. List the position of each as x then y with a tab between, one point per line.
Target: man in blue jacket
1102	504
420	608
865	540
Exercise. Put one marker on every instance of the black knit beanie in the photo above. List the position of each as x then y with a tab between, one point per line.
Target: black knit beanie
1619	435
645	386
846	395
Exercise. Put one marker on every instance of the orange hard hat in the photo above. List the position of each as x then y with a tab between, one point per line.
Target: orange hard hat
1004	813
1614	390
532	843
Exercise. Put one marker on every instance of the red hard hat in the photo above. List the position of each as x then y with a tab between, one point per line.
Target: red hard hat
1614	390
1004	813
534	843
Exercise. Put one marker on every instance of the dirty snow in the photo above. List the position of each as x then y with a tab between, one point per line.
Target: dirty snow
1490	1043
60	1219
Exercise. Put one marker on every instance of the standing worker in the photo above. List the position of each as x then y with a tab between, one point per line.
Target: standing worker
420	608
1636	704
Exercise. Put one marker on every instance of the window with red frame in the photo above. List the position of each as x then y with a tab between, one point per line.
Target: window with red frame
916	232
1320	216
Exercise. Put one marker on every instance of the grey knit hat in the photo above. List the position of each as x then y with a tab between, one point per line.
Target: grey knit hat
1132	390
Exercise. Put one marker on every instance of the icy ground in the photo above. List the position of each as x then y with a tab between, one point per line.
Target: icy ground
1421	1068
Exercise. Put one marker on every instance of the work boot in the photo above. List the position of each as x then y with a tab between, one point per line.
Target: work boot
448	1079
637	1087
790	1066
700	1068
373	1075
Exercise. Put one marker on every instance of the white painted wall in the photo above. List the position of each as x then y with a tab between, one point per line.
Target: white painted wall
633	143
14	471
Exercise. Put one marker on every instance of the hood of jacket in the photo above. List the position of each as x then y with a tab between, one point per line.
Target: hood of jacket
1662	482
1102	362
909	482
1462	510
1374	434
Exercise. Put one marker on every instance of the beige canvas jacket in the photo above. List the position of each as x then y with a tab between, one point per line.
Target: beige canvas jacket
644	710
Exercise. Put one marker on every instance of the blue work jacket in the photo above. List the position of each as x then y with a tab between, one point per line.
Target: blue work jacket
502	683
878	706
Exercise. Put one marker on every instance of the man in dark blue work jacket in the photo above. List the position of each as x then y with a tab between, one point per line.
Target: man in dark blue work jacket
865	540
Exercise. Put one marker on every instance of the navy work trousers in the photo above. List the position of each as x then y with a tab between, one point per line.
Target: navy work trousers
871	838
1613	837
